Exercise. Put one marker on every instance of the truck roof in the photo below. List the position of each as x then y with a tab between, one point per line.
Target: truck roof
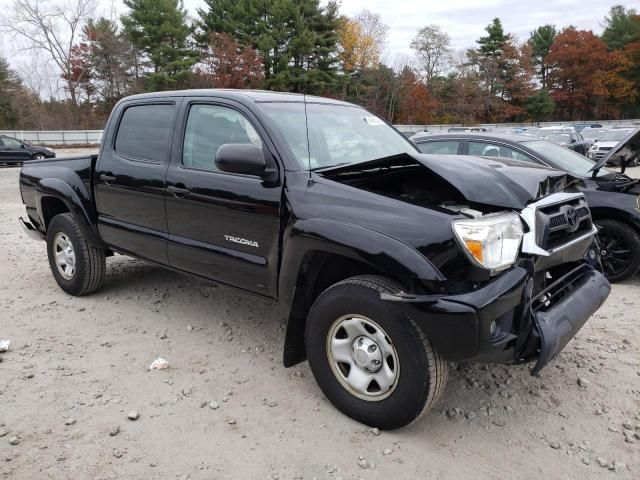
238	94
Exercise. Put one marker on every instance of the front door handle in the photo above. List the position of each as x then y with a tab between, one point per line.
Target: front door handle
178	192
107	178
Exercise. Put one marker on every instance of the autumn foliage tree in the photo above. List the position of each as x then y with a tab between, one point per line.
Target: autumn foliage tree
416	105
584	75
361	40
226	64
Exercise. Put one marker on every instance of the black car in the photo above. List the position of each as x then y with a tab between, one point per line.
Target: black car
14	151
614	198
389	262
574	141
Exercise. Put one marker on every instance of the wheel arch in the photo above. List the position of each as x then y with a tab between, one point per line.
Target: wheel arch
320	253
610	213
55	196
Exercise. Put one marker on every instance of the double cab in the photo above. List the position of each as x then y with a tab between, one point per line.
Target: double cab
391	263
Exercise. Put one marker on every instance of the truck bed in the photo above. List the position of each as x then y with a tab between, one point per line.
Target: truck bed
77	171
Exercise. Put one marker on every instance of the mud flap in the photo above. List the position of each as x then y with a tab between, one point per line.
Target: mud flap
559	324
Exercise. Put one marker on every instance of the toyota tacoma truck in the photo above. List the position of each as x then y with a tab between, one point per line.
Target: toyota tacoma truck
392	263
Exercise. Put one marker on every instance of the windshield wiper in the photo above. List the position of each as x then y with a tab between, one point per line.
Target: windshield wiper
328	167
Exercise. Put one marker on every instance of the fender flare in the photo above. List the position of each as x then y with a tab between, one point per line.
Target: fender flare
78	204
377	250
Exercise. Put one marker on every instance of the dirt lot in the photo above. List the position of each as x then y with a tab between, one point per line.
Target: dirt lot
227	408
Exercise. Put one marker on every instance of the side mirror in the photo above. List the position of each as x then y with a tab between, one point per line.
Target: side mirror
243	158
22	145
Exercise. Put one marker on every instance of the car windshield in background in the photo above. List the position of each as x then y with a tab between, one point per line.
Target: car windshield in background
592	133
557	137
564	159
338	135
615	135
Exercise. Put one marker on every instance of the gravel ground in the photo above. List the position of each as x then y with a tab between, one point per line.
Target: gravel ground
227	408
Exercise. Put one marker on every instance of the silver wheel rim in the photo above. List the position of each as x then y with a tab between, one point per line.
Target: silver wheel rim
64	256
362	357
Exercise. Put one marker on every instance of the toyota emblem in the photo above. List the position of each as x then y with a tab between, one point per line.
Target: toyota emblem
573	219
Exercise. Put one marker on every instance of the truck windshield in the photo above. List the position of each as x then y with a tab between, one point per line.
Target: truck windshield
338	135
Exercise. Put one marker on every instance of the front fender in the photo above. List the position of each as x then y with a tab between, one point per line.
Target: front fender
77	201
380	251
305	238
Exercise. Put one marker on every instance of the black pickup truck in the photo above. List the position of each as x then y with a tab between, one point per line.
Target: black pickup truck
391	262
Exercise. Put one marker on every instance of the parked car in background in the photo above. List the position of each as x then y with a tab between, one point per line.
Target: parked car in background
557	128
14	151
567	138
581	126
593	134
614	198
607	142
467	129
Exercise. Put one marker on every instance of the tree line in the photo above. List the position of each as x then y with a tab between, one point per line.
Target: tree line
305	46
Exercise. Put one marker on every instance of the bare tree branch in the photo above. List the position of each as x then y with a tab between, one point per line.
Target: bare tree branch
52	29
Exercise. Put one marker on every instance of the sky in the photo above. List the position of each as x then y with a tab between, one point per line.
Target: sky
463	20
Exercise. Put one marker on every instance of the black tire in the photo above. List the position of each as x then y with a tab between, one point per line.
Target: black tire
422	373
619	249
39	156
89	261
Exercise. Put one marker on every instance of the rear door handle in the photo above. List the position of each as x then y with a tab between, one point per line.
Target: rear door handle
178	192
107	178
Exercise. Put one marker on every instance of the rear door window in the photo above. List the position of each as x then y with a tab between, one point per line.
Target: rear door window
493	150
11	143
145	131
448	147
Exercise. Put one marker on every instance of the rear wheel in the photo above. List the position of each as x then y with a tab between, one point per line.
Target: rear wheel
619	249
77	266
370	360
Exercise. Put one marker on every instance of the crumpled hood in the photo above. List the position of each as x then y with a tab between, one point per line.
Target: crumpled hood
497	181
487	181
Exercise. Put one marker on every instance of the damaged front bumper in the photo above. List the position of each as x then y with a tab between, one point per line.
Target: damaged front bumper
504	321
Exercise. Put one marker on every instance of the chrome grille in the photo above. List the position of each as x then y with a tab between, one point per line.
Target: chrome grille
556	222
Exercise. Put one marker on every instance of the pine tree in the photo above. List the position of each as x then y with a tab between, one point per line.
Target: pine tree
492	45
540	105
622	27
10	89
158	28
541	40
297	39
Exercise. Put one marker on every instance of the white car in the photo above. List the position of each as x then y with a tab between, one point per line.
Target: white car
609	140
557	128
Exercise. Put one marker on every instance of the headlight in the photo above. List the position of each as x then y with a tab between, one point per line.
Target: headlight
492	241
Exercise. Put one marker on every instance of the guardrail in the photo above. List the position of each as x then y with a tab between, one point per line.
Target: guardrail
56	137
93	137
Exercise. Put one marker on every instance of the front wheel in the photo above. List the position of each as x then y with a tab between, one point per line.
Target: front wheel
619	249
39	156
371	361
77	266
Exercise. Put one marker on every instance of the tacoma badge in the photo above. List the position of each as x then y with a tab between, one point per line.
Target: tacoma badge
242	241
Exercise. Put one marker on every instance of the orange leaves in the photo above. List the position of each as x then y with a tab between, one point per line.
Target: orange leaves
228	65
585	78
